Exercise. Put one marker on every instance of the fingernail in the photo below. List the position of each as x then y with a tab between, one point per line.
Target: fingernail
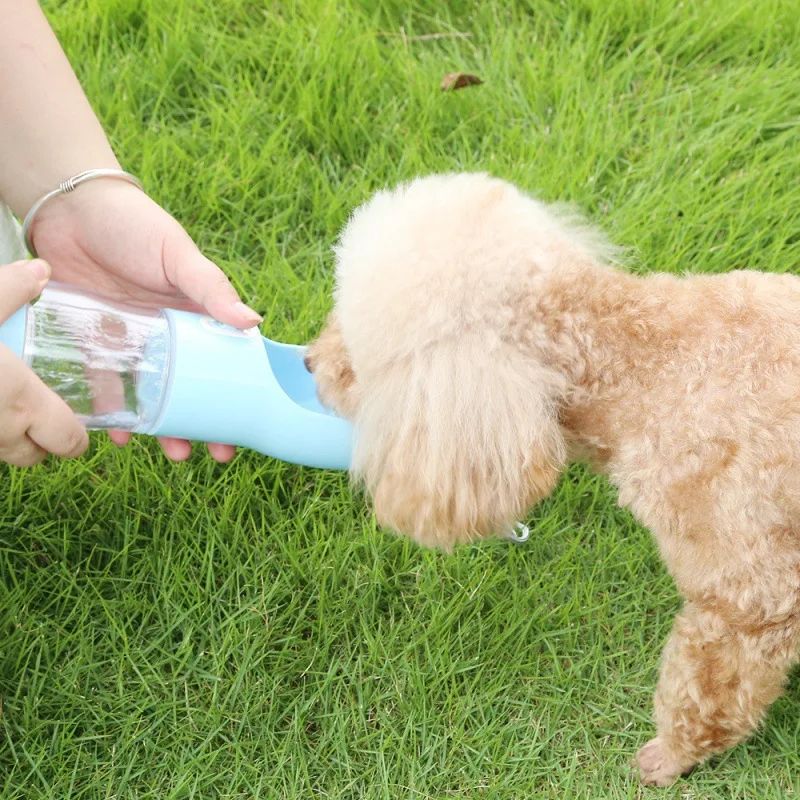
39	268
247	312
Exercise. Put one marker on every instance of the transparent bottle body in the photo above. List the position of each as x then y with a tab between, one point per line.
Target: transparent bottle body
108	361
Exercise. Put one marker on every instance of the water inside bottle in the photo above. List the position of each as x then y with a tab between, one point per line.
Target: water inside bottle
96	355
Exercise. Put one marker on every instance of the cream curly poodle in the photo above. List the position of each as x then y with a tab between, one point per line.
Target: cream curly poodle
480	340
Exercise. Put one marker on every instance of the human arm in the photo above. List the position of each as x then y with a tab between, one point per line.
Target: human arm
106	236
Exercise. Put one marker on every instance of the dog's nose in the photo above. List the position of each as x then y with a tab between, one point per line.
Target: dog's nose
307	362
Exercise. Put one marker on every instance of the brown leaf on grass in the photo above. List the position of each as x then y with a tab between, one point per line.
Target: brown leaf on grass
459	80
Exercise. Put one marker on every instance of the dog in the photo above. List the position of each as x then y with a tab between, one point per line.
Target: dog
480	340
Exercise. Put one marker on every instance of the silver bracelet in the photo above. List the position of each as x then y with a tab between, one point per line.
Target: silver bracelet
67	186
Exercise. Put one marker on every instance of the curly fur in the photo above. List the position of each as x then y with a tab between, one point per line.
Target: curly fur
480	340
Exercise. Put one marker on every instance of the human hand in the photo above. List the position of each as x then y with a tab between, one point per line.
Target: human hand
34	421
110	238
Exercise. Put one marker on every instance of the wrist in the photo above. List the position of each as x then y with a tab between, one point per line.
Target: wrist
70	213
44	178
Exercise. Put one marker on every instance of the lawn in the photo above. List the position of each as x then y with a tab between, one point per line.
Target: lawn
199	631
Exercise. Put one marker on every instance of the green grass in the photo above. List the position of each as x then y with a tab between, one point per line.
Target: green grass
197	631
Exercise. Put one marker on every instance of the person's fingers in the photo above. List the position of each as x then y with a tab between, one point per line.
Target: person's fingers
34	421
222	452
20	283
205	283
54	427
108	397
15	446
107	390
181	449
175	449
23	453
120	438
105	384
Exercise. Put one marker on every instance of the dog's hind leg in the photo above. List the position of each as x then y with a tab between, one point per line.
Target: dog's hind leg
717	681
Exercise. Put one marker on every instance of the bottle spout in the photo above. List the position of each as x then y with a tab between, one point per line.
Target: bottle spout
238	387
288	366
321	438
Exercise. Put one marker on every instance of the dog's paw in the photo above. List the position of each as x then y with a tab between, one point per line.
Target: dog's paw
656	766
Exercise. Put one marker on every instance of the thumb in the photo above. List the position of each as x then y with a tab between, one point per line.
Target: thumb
204	282
21	282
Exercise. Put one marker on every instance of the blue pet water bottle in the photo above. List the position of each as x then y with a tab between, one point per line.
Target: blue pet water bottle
173	373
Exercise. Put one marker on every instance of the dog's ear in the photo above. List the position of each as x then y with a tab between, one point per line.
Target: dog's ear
458	441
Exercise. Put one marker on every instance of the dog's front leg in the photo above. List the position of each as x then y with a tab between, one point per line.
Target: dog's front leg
717	681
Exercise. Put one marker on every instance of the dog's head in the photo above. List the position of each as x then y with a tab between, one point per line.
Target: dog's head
433	354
